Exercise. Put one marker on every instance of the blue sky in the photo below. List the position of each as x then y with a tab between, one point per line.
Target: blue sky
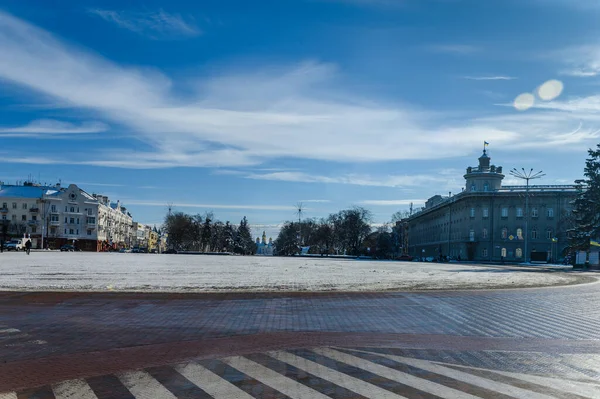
247	108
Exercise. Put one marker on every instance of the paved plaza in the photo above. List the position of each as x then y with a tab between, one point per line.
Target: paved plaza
516	343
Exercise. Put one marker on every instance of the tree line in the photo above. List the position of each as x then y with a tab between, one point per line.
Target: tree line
204	233
347	232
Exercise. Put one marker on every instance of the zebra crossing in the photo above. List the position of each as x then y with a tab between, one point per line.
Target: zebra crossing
317	373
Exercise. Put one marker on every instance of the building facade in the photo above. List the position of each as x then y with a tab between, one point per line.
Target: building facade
488	221
53	216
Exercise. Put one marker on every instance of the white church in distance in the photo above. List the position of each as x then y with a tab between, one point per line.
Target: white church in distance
264	248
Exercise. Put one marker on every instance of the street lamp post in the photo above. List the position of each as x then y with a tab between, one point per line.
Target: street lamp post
526	175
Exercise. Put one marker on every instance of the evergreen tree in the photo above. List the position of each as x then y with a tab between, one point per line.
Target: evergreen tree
287	243
228	237
244	244
586	207
205	237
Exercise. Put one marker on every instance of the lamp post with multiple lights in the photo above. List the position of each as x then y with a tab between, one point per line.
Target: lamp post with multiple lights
526	175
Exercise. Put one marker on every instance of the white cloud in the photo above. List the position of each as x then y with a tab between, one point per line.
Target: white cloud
209	206
498	77
461	49
581	61
392	202
316	201
43	127
242	119
158	24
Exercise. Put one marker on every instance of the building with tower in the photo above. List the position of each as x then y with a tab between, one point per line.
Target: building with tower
487	221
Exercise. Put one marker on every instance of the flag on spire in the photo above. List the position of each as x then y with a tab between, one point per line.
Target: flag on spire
485	143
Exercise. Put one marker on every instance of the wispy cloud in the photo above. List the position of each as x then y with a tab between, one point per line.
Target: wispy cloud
461	49
392	202
209	206
354	179
43	127
156	24
243	119
369	3
318	201
497	77
580	61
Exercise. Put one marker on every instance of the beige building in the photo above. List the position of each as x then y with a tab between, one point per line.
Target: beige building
488	221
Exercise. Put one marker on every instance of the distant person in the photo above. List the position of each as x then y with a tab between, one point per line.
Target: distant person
28	246
458	258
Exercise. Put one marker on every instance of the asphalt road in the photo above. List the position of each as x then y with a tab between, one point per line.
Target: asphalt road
528	343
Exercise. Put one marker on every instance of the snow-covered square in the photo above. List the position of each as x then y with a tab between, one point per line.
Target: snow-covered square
201	273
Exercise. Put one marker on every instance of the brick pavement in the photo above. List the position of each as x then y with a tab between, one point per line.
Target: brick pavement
51	337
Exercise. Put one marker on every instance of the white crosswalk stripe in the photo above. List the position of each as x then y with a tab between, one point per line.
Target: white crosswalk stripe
589	390
73	389
500	387
283	384
344	380
395	375
210	382
143	386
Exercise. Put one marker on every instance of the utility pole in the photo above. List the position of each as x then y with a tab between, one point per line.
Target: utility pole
526	175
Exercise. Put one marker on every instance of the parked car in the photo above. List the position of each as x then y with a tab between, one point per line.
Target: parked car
170	251
405	257
67	248
14	245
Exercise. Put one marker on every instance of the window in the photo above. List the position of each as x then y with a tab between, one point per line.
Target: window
89	211
77	220
77	209
3	217
534	212
484	233
65	219
520	233
53	208
550	212
14	205
72	209
54	218
66	208
504	233
24	206
23	218
89	232
486	187
519	253
503	252
472	187
519	212
52	230
91	220
484	253
14	218
34	229
471	235
4	205
72	220
504	212
71	231
486	212
34	217
77	231
65	231
472	212
549	234
534	234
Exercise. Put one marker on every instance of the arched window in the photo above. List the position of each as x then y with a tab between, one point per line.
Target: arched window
486	186
534	234
503	252
473	187
484	233
519	253
520	233
504	232
549	234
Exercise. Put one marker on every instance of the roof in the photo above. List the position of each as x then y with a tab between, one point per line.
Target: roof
26	191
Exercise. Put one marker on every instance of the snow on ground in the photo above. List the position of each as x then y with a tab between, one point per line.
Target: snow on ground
202	273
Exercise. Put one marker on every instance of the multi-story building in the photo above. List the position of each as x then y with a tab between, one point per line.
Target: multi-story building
55	215
488	221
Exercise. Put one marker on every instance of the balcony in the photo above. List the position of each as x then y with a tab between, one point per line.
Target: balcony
91	225
4	210
34	210
54	223
32	222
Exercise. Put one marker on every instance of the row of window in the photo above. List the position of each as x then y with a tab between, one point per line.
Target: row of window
503	252
519	213
23	218
53	208
14	205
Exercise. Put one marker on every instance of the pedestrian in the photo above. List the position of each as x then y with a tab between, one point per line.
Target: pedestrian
28	246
